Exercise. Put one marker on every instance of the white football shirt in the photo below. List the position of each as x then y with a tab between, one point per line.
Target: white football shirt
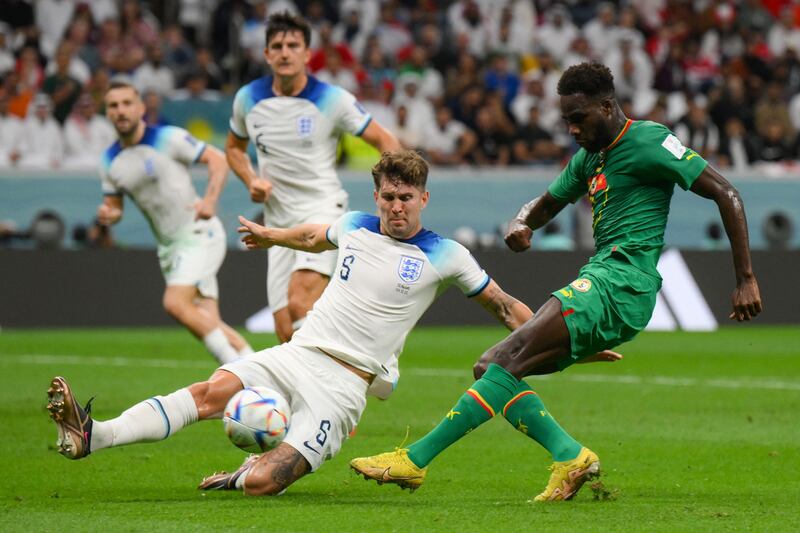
380	288
296	139
154	174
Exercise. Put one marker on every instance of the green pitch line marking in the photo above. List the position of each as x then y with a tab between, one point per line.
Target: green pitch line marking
665	381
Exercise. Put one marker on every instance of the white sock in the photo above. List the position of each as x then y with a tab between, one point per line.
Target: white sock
247	350
239	484
217	343
240	481
154	419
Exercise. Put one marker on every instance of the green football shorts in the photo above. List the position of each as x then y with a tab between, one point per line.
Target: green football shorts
607	305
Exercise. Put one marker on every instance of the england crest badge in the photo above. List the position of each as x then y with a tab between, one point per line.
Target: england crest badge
305	126
410	269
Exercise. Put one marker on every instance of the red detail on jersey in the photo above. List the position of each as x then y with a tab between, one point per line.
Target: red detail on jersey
568	312
597	183
620	135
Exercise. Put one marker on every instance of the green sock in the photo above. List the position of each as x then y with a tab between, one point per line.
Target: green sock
486	397
526	412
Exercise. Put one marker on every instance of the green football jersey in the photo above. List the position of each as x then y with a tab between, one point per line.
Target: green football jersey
630	185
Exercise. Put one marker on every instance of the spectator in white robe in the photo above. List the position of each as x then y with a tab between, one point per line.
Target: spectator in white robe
41	145
557	33
466	20
52	18
86	135
421	117
602	30
154	74
10	127
7	59
450	141
336	73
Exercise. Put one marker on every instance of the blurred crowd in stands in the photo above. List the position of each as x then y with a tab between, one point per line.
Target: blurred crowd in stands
469	82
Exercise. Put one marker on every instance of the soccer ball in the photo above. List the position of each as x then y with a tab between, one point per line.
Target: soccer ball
256	419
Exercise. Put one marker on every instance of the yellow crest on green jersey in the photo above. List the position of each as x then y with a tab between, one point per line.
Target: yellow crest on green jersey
582	284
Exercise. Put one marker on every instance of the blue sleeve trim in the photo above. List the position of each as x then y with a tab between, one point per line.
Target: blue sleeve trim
480	289
245	138
328	237
364	127
199	152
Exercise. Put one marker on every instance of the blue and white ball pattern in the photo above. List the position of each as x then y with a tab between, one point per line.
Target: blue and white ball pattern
256	419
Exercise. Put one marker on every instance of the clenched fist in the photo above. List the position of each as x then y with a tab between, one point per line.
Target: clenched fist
518	236
260	189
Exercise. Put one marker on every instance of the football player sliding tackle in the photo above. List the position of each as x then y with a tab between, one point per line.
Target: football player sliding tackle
390	270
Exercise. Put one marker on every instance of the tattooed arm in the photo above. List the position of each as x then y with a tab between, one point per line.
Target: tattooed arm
507	309
276	470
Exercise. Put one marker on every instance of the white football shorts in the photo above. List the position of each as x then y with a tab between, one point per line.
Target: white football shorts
326	399
283	261
194	258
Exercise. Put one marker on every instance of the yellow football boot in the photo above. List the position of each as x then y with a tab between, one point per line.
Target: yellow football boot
391	467
569	476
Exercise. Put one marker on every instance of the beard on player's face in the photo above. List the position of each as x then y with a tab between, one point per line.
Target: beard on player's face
604	131
596	134
589	120
126	125
599	138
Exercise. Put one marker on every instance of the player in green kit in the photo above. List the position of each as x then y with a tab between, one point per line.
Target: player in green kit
629	169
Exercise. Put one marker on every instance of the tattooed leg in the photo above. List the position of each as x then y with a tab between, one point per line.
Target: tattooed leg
275	470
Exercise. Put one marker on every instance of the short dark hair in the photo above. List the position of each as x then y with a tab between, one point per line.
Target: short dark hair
592	79
121	84
405	166
286	22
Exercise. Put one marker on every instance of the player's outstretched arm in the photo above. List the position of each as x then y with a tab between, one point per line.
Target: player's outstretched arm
712	185
305	237
214	159
507	309
110	211
531	216
381	138
236	155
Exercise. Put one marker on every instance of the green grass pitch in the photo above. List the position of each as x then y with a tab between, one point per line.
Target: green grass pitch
694	431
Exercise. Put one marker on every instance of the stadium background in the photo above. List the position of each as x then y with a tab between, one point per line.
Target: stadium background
474	80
